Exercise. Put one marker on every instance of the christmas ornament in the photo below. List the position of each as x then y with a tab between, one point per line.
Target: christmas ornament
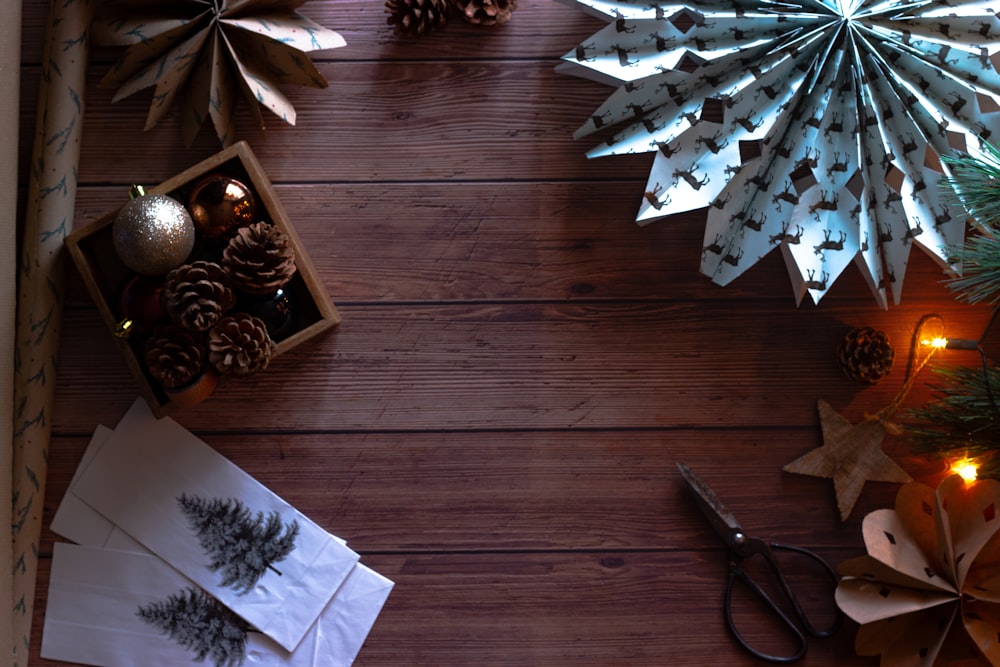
927	591
197	295
140	306
259	259
206	55
416	17
815	127
239	344
865	355
275	310
219	204
852	454
486	12
152	234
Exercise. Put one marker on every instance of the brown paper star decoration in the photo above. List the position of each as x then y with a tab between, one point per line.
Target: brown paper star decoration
205	55
851	455
927	593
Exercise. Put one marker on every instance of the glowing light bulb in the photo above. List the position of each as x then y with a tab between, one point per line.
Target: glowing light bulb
938	342
966	468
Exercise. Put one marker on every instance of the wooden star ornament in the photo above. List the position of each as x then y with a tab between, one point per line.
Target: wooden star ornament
851	455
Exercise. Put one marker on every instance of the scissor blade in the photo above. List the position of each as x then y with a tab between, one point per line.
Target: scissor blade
720	518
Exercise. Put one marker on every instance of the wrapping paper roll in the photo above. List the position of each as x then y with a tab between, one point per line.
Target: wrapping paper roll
10	76
48	218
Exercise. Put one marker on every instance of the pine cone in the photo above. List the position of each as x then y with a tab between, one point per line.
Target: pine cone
197	295
415	17
486	12
239	344
865	355
175	356
259	259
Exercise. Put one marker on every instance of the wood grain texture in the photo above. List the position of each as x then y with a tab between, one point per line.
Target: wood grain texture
496	422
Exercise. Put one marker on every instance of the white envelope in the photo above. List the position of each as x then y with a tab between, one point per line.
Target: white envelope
77	521
95	594
137	480
73	624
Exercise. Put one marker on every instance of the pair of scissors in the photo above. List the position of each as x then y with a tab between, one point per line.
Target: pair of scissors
742	547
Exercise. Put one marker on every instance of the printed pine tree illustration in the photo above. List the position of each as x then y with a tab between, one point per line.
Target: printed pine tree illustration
198	622
241	545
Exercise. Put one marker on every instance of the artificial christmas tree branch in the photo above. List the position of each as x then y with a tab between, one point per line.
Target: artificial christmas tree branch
962	418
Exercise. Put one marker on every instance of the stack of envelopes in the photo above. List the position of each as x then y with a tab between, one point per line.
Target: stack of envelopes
182	558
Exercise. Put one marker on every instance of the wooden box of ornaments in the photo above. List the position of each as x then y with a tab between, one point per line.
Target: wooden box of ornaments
201	279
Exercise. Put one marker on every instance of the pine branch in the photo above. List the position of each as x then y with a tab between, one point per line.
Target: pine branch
980	282
961	419
975	182
975	185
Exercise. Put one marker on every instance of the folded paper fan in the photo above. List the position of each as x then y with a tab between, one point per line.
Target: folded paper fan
204	55
928	591
816	126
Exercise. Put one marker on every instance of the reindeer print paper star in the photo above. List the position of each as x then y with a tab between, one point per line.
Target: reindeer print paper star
813	126
851	455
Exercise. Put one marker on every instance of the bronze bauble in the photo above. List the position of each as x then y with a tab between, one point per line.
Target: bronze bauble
219	205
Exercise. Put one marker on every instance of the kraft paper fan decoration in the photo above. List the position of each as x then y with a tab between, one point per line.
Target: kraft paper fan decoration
205	55
816	126
927	592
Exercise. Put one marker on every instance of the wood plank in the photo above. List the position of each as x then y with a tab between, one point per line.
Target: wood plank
496	422
537	29
558	609
545	365
502	241
482	563
383	121
537	490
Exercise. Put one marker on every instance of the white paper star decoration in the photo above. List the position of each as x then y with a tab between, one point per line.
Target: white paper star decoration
204	55
815	126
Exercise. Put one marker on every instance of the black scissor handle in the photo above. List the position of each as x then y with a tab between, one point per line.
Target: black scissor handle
736	571
811	630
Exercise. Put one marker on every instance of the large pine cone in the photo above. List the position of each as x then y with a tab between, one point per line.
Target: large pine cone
486	12
865	355
239	344
174	356
415	17
197	295
259	259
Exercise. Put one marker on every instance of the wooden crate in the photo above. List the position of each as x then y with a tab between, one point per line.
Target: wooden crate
105	275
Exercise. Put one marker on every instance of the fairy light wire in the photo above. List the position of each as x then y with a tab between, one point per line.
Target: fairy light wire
914	364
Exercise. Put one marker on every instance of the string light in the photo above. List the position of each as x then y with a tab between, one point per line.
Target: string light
941	342
966	468
938	343
934	341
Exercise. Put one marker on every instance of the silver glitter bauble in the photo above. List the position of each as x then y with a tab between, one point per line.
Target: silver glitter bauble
153	234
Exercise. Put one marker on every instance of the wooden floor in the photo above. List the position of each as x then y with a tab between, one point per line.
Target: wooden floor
496	423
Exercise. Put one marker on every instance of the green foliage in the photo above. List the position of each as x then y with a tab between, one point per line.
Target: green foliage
961	420
980	281
975	184
962	417
241	545
199	623
975	181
